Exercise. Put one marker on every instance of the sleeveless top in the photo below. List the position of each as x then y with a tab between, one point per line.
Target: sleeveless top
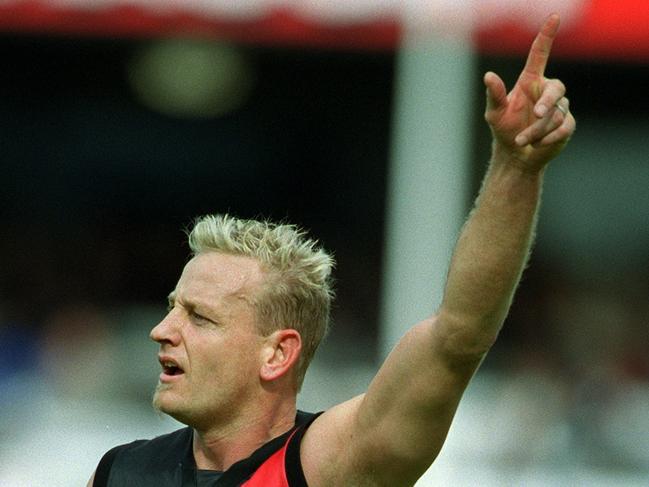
168	461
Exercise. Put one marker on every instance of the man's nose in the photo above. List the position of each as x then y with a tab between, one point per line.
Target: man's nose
167	331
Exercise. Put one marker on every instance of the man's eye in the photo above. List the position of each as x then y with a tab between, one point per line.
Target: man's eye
198	317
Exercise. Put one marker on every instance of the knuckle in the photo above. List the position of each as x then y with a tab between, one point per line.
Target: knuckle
563	132
558	85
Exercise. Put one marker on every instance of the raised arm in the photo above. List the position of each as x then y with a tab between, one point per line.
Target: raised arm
390	435
530	126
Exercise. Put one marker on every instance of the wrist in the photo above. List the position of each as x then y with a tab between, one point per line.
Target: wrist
516	159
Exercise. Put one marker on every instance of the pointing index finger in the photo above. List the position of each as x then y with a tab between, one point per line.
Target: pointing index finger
539	54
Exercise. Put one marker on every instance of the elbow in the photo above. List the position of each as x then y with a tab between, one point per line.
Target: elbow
465	340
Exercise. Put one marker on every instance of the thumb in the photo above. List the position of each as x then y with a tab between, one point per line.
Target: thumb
496	91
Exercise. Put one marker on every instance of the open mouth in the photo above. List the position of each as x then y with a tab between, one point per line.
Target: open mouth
170	369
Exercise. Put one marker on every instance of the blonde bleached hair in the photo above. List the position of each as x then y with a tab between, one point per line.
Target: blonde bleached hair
298	288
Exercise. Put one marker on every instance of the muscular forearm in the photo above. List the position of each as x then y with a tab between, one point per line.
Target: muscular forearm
530	126
490	255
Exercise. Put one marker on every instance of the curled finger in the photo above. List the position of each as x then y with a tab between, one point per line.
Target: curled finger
553	91
559	135
563	105
552	120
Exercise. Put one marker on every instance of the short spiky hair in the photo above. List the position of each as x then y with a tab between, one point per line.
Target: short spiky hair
298	289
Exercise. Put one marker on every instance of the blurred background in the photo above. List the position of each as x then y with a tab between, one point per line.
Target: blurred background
121	123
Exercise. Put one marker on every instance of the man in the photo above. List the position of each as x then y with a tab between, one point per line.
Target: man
252	304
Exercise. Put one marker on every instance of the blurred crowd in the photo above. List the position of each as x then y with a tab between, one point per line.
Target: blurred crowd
564	393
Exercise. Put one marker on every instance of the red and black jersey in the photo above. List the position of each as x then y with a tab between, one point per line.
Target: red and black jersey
168	461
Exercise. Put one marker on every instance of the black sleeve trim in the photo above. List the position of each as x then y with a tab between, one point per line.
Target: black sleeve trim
105	464
293	464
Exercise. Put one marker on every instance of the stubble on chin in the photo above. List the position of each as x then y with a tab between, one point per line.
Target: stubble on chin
172	409
156	401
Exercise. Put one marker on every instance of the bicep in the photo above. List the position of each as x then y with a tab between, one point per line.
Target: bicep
395	430
411	402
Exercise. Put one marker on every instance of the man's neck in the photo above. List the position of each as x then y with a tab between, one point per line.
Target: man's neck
220	448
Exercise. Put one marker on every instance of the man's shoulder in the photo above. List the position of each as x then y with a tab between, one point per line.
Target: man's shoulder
156	454
179	437
161	448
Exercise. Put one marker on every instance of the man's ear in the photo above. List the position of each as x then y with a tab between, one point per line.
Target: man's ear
280	354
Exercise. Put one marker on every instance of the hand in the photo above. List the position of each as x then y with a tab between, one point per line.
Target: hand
532	123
